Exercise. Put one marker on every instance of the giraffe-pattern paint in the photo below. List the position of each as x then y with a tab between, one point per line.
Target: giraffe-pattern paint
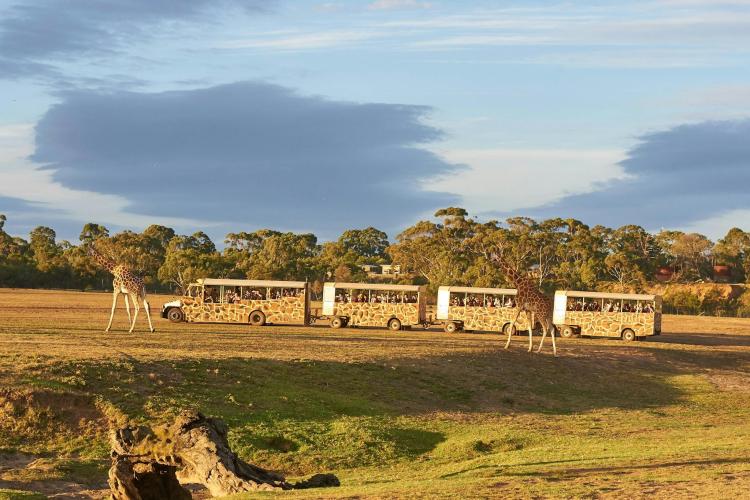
284	310
491	319
611	324
377	313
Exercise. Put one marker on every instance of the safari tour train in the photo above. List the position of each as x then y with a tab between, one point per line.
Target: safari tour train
262	302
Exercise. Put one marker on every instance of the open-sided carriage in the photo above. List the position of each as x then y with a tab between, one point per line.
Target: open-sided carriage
478	309
255	302
597	314
374	304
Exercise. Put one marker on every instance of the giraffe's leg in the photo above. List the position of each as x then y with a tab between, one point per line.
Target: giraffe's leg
530	318
135	314
511	326
148	313
127	308
552	334
115	294
544	334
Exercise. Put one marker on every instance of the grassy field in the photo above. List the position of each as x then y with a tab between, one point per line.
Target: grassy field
410	414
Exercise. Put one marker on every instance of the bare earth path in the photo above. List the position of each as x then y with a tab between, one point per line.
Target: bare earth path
410	414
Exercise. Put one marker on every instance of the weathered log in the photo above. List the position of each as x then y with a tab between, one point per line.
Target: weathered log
147	463
130	480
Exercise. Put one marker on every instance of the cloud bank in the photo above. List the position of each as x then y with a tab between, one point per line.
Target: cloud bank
37	32
245	155
677	177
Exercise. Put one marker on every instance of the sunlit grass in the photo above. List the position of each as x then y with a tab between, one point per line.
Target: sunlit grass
409	414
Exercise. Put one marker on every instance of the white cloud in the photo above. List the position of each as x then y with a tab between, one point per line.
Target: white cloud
717	227
398	4
299	41
500	180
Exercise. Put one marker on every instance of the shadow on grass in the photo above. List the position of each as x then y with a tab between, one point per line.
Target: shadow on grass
299	415
240	389
702	339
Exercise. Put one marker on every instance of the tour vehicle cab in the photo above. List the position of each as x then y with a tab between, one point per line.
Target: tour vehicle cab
483	309
374	304
257	302
597	314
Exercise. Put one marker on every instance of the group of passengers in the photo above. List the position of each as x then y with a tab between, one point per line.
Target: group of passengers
232	297
596	306
253	294
376	298
580	305
486	301
280	293
236	296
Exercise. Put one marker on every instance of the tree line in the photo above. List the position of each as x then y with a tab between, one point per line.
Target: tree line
452	248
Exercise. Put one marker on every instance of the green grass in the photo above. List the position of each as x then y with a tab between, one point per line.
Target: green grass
418	414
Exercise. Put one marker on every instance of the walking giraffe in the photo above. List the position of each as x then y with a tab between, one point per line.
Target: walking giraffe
125	282
529	300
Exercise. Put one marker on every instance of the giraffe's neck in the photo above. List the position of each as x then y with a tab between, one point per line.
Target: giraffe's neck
523	284
509	270
103	261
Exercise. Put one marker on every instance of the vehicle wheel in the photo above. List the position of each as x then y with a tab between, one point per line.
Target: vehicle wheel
257	318
175	315
451	327
345	322
507	327
337	322
628	335
394	324
567	332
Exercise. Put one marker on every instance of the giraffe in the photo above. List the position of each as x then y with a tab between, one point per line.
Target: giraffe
125	282
529	300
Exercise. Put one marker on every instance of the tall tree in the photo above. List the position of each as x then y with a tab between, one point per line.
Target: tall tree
368	245
189	258
92	232
436	252
734	250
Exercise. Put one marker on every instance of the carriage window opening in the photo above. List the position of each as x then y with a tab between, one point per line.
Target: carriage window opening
254	293
231	294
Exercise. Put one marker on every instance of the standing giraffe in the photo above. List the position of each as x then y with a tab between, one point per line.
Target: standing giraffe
125	282
530	300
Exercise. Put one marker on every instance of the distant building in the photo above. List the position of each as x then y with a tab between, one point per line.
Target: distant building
382	271
722	273
391	269
371	268
663	274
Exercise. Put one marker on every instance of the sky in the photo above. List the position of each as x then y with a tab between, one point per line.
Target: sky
315	116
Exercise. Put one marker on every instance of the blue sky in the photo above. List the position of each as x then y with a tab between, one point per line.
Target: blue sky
321	116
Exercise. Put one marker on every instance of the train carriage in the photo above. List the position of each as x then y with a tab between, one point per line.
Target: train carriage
374	304
482	309
257	302
597	314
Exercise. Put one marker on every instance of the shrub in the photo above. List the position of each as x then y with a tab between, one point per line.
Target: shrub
681	302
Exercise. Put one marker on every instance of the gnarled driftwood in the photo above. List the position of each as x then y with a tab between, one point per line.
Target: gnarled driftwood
149	463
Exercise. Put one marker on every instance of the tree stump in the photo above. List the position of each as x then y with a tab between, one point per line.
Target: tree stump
148	463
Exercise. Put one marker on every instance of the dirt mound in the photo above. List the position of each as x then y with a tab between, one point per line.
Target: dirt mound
26	414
